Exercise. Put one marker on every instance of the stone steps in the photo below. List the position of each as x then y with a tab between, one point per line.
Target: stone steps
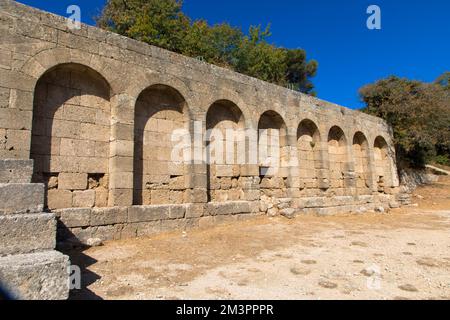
30	268
27	233
21	198
35	276
16	171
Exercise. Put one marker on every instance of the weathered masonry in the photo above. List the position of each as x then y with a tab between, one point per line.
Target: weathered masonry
86	118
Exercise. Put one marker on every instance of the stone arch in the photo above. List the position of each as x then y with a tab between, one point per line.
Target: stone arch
309	154
235	99
225	124
361	158
382	161
159	175
273	155
70	136
337	155
144	80
39	64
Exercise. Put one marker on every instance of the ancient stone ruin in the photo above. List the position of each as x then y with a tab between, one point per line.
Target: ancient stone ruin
86	146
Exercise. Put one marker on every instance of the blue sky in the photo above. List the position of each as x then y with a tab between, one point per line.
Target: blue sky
414	41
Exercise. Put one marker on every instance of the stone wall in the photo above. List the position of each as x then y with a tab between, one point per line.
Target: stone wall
95	111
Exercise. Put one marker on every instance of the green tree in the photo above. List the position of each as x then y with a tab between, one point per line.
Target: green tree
300	71
418	112
157	22
257	58
163	24
444	80
217	44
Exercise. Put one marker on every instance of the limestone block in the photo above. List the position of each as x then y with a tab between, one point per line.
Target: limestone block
18	139
83	199
195	210
177	183
4	94
121	148
46	275
251	195
21	198
101	198
108	216
171	225
121	164
195	196
129	231
288	213
148	213
93	165
26	233
75	217
59	199
227	208
160	197
120	197
105	233
177	211
224	171
148	228
249	170
176	197
72	181
15	119
16	171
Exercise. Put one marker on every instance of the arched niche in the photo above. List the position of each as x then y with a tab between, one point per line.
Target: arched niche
159	175
309	157
362	163
70	136
225	151
337	155
382	160
273	155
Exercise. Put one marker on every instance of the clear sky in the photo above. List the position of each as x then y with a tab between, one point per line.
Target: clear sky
414	41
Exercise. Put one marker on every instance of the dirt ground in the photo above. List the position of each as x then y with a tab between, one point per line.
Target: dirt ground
403	254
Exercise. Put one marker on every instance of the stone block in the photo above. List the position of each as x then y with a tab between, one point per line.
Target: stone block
177	211
249	170
83	199
108	216
228	208
16	171
160	197
176	197
26	233
148	213
75	217
59	199
101	198
21	198
224	171
144	229
196	196
173	225
72	181
195	210
105	233
120	197
36	276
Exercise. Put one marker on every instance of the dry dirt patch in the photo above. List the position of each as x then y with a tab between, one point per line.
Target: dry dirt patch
404	254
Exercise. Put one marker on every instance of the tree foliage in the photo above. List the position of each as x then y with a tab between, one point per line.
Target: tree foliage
162	23
418	112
